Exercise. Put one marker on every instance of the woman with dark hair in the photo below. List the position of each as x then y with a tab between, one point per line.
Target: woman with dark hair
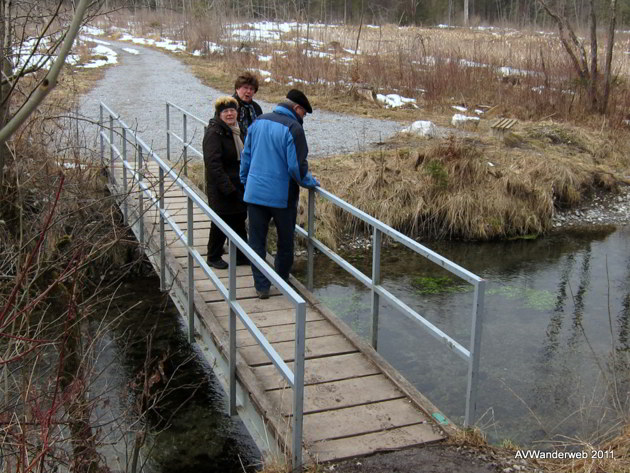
245	88
222	146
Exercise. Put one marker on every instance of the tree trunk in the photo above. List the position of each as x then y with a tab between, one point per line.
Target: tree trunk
592	85
603	106
6	67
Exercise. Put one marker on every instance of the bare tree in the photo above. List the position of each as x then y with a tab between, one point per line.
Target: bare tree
587	67
17	17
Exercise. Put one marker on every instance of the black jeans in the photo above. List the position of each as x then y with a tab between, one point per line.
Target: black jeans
215	243
284	219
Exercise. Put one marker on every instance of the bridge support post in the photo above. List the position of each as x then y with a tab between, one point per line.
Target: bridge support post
185	146
140	195
125	204
101	125
298	385
168	132
162	235
376	280
232	327
311	233
112	174
191	274
475	346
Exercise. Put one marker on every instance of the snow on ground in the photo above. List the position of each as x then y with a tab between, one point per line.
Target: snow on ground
110	57
394	100
131	50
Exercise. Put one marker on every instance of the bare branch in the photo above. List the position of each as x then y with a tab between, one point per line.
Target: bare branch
51	78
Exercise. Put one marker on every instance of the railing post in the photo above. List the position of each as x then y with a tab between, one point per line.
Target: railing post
112	175
168	133
376	280
185	147
232	323
298	385
140	196
101	124
111	143
124	178
191	275
162	235
311	233
475	346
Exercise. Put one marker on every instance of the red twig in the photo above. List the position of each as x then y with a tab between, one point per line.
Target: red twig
32	255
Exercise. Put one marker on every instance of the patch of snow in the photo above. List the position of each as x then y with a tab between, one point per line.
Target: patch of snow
110	57
490	164
459	108
131	50
459	119
92	30
422	128
319	54
265	58
478	111
171	45
94	40
393	100
262	72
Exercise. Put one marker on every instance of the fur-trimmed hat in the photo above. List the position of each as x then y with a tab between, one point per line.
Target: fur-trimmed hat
223	103
298	97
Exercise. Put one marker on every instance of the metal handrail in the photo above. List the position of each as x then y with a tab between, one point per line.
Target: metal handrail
471	355
294	378
182	139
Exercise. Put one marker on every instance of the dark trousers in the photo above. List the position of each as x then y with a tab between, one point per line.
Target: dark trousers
284	219
217	239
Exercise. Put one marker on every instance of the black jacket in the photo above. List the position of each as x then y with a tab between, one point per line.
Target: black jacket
222	163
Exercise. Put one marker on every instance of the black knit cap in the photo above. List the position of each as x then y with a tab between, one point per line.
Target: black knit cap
298	97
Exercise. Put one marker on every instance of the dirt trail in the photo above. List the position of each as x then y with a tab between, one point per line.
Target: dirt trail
140	85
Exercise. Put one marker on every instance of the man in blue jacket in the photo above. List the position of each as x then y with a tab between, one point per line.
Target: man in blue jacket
273	166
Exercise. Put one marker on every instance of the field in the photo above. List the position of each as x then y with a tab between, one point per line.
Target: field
465	182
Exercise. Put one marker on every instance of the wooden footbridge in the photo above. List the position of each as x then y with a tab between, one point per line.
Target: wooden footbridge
303	383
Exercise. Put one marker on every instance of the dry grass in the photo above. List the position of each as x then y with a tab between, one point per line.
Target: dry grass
471	188
438	67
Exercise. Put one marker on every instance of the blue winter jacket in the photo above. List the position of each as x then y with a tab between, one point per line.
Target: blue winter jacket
273	161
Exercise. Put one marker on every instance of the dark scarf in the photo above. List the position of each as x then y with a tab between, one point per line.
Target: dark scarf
246	115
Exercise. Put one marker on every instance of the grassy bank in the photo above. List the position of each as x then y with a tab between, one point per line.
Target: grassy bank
477	186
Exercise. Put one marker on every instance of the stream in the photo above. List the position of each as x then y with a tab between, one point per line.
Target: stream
554	358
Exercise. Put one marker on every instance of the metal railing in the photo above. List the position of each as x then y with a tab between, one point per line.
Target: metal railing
185	139
133	196
471	355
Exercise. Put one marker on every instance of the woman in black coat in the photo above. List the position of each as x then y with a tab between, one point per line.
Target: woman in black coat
222	146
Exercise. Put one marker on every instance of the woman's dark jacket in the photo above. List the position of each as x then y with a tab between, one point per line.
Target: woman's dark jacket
222	163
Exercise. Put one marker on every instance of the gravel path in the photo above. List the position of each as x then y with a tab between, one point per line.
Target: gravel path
140	85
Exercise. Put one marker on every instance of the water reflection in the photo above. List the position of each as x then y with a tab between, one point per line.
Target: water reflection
188	429
547	337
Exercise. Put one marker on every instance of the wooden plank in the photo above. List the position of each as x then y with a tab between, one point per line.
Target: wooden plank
338	394
243	293
395	439
315	347
252	306
205	285
286	333
320	370
270	318
363	419
398	379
